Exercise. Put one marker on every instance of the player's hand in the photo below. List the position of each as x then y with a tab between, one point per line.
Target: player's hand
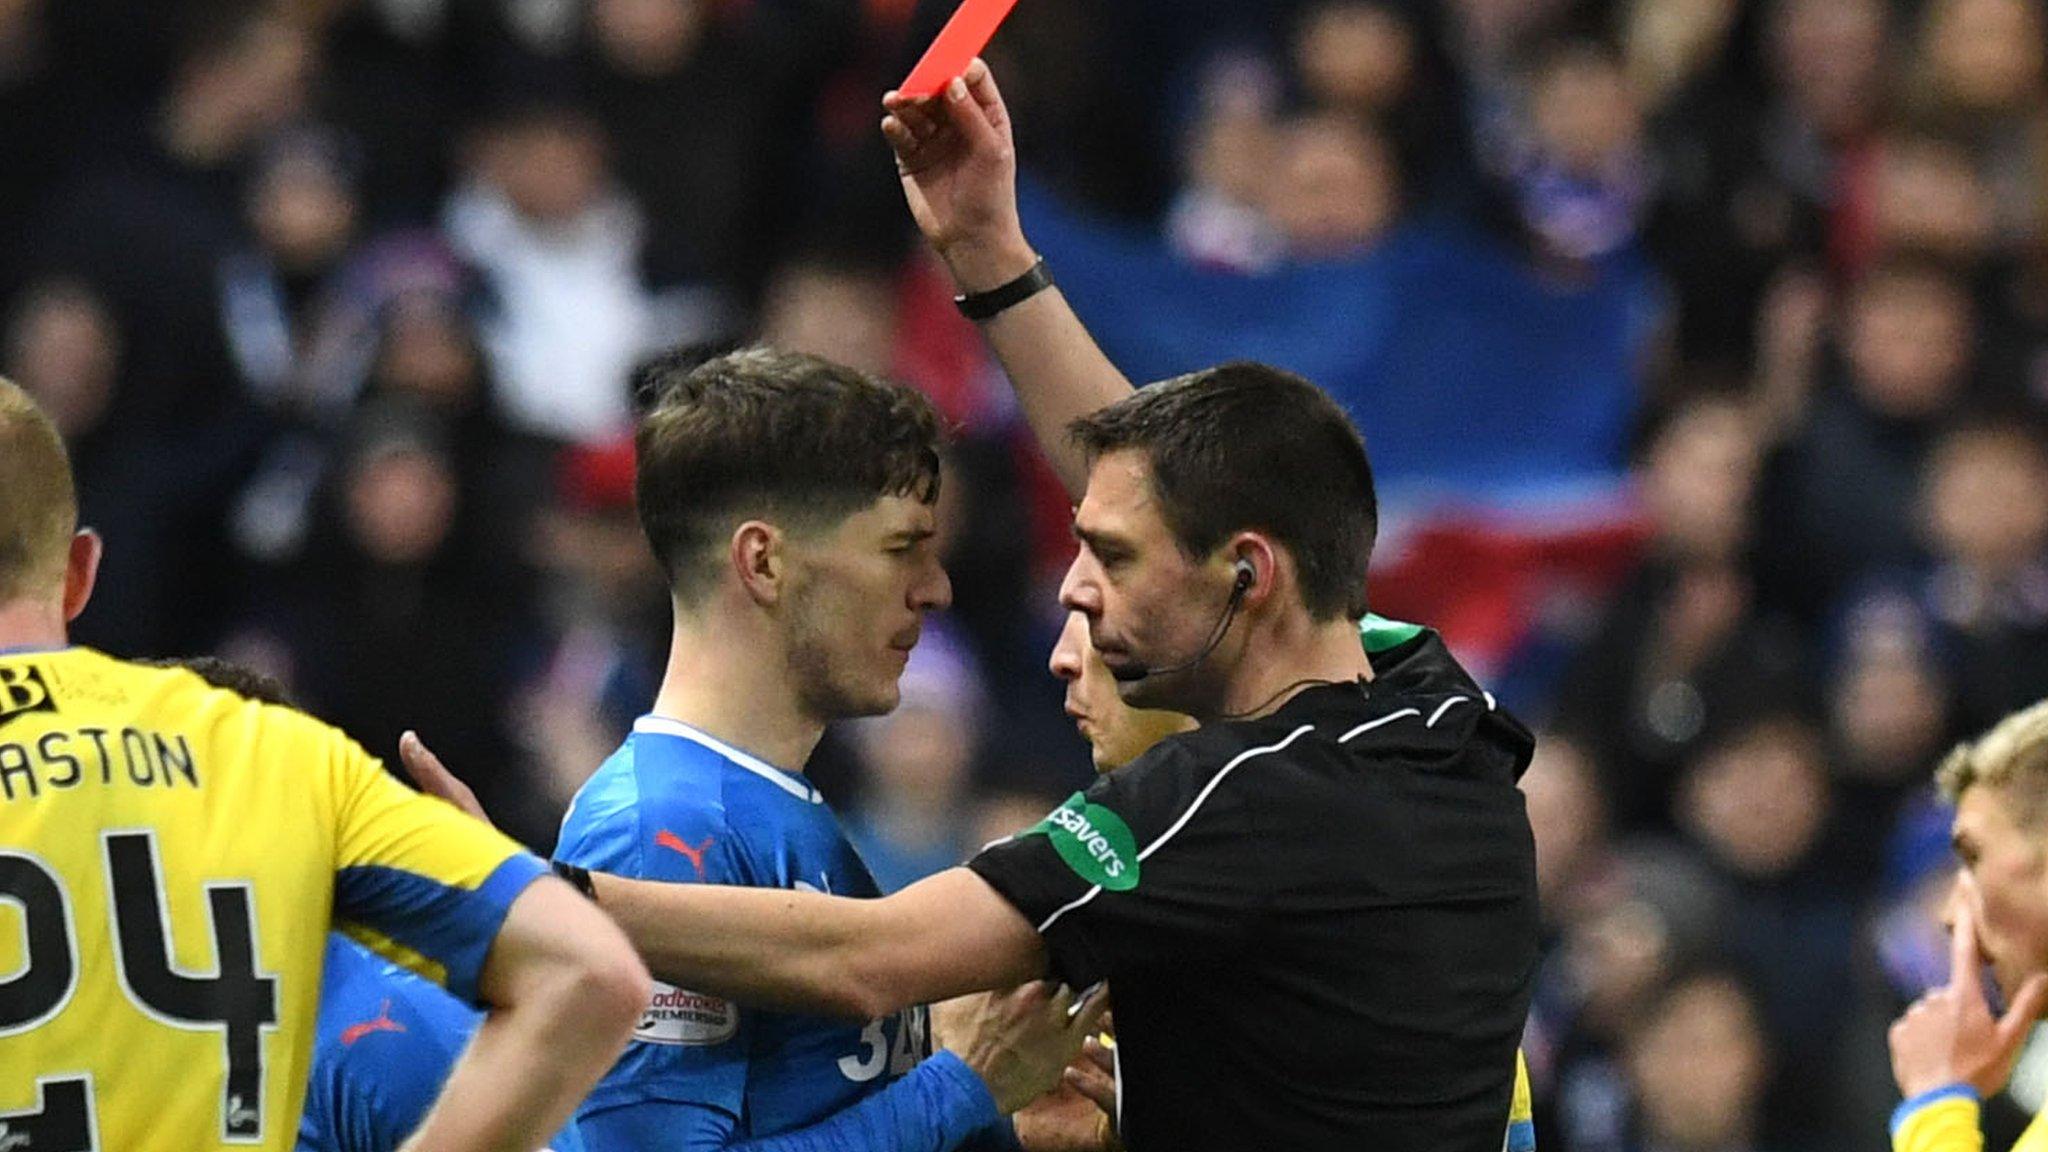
1949	1036
434	778
1019	1041
959	170
1064	1120
1092	1074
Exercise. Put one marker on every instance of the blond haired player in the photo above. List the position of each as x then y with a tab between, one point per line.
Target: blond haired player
1117	734
171	856
1948	1050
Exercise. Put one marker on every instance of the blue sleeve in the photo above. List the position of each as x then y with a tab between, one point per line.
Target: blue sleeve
655	1125
685	1072
374	1096
938	1107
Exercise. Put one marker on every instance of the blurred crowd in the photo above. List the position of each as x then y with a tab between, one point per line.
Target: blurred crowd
338	303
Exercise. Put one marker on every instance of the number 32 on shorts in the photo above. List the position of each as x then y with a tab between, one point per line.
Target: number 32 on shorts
237	1001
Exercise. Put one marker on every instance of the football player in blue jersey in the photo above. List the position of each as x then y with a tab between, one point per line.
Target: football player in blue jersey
790	503
383	1045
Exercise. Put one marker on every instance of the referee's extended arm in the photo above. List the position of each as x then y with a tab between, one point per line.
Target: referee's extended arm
801	951
941	937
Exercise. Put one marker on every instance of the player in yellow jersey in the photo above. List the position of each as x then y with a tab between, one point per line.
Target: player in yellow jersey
1948	1050
171	857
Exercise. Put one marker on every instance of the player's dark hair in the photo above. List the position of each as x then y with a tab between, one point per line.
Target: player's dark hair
780	436
1243	447
228	675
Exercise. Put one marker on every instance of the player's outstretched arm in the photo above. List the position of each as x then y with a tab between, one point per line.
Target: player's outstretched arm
567	989
1009	1053
959	171
800	951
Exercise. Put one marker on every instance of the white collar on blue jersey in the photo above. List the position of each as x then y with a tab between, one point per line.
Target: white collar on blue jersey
789	782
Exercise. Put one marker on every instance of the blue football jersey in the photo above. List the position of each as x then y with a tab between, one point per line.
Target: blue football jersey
676	804
383	1045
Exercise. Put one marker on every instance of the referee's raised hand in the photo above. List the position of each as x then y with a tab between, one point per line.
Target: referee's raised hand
959	169
1949	1036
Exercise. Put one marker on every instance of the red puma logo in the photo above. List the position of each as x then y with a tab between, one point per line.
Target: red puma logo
674	843
381	1023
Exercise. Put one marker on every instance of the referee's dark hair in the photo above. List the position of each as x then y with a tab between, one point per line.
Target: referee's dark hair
1248	446
781	436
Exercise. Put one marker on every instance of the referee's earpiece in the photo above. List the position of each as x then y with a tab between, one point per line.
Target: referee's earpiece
1246	577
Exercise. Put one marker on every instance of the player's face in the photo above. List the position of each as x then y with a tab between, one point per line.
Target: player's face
1116	732
2005	874
1146	603
858	595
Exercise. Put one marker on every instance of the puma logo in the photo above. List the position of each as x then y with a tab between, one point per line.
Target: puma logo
674	843
382	1022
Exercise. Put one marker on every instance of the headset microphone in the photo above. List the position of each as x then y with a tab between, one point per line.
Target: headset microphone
1246	575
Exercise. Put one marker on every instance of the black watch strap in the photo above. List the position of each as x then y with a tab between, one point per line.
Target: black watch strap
987	305
579	878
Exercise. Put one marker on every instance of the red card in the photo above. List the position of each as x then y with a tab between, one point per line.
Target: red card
956	46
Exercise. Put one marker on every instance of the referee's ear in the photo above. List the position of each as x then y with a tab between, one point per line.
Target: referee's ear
81	571
759	560
1255	564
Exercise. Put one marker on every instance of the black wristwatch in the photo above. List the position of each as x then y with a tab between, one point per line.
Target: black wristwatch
579	878
979	306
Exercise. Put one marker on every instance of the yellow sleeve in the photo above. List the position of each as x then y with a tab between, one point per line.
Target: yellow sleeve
428	882
1943	1120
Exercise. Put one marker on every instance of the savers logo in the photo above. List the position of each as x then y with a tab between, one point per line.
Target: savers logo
1095	843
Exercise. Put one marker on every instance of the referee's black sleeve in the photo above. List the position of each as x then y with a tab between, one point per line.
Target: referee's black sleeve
1150	862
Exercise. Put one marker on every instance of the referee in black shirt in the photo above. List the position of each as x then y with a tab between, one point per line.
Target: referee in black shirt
1318	910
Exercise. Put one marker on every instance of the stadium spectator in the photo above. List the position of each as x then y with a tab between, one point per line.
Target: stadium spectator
600	660
400	573
1758	804
710	185
560	246
1699	1063
1833	497
1654	912
303	216
1337	188
1980	74
1218	217
1568	815
1685	649
1988	589
1890	713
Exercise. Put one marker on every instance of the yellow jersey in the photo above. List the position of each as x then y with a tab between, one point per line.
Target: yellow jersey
171	857
1945	1120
